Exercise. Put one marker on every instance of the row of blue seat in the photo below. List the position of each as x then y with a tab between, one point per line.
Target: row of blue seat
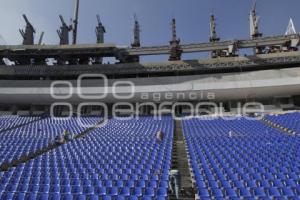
242	158
288	120
121	159
57	196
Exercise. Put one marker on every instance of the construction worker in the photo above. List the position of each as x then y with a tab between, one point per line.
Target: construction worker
68	136
159	136
175	182
59	139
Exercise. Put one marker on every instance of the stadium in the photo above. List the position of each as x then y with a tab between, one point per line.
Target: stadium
83	120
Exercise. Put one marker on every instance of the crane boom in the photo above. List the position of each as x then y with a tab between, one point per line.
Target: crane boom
75	21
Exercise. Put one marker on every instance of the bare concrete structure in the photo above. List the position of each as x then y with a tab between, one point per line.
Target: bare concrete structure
25	53
28	33
63	33
100	31
175	51
271	71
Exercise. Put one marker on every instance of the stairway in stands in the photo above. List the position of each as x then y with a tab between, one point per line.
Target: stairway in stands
42	116
180	162
278	126
51	146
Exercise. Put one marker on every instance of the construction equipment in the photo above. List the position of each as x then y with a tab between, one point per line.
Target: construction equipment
28	34
63	33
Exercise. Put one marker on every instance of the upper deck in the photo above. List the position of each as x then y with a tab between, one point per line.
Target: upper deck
188	67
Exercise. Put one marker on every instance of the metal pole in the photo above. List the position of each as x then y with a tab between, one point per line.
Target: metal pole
75	21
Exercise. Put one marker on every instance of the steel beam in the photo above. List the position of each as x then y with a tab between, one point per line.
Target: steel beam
112	49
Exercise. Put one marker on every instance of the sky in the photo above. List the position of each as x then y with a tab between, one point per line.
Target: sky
192	19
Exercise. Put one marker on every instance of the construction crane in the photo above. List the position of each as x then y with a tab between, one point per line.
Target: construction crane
254	31
63	33
100	30
28	34
175	53
136	33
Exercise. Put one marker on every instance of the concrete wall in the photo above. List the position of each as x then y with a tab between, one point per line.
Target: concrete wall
218	87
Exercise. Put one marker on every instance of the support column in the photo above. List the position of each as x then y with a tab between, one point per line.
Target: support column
254	32
136	39
175	52
14	109
100	31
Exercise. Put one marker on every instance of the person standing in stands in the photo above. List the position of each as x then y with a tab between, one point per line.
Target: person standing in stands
59	139
68	136
64	137
175	182
230	133
65	133
159	136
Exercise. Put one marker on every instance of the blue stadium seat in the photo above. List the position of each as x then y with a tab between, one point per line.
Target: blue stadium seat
257	161
274	192
288	192
100	191
204	193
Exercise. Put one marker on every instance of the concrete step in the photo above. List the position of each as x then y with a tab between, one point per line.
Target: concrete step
277	126
20	125
186	193
180	162
51	146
